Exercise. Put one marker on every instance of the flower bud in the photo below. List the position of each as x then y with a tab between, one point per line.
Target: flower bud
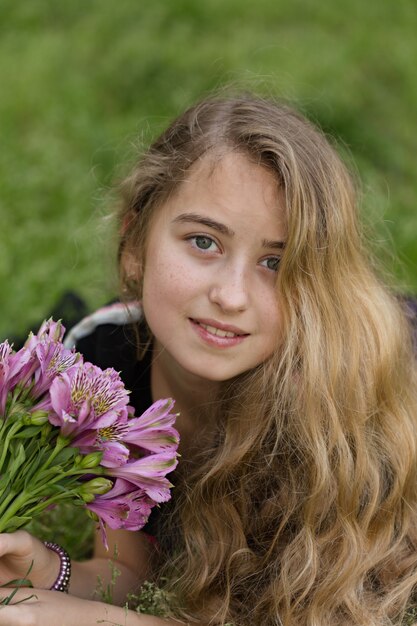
18	412
62	442
89	461
26	419
87	497
45	432
38	418
96	486
92	515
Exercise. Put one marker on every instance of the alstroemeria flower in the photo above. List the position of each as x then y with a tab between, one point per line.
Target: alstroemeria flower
54	359
89	440
87	398
106	439
115	453
124	506
26	366
149	474
49	331
15	368
152	431
5	353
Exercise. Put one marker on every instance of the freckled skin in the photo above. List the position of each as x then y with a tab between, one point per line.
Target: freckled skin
194	272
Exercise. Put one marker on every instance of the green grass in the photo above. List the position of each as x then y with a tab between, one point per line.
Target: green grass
81	82
68	525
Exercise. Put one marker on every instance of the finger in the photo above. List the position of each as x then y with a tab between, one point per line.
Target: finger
19	543
18	613
12	596
16	616
9	616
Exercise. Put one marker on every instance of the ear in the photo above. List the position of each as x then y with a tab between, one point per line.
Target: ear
130	262
126	224
131	265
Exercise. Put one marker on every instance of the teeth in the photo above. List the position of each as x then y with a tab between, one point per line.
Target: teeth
218	332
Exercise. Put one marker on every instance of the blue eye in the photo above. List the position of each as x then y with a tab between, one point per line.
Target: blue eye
271	263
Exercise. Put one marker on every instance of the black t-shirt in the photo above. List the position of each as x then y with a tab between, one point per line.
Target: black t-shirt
110	345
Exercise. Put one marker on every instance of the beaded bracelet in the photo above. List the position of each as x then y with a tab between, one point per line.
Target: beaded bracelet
62	582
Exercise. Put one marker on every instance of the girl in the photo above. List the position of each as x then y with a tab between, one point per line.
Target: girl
292	369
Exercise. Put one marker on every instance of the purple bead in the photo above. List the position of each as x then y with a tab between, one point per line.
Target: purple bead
62	581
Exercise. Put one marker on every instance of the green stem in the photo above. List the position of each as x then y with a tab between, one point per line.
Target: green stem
10	402
6	501
24	476
33	451
61	443
61	497
14	428
24	499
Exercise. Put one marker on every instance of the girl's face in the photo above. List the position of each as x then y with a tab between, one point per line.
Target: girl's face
212	256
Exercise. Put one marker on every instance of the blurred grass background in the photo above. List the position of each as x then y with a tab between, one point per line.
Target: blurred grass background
81	81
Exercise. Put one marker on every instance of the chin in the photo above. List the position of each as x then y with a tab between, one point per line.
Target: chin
216	374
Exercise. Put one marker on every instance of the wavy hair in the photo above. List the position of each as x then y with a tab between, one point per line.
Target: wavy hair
302	511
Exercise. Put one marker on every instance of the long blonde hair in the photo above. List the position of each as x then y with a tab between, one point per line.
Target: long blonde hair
303	510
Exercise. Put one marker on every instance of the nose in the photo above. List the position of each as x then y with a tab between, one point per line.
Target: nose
230	290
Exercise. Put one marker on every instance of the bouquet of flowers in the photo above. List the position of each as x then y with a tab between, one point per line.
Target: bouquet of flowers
67	433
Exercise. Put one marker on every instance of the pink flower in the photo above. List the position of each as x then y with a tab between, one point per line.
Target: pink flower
5	352
108	440
14	368
152	431
97	442
49	331
115	454
124	506
149	474
53	360
87	398
34	367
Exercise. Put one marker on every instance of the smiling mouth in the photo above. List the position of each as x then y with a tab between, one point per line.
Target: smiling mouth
218	332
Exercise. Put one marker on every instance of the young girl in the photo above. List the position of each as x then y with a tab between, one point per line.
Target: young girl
292	369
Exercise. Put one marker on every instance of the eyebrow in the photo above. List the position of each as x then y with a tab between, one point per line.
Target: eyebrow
278	245
205	221
221	228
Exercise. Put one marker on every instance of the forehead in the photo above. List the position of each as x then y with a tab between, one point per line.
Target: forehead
228	169
229	186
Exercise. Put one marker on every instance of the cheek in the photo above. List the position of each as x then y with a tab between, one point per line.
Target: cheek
272	322
167	280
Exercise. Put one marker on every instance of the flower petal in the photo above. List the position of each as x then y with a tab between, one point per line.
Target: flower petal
149	474
115	454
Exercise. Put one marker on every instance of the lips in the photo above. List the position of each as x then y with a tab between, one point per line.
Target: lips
218	329
216	335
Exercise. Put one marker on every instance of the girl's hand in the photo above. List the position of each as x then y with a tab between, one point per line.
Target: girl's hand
19	551
52	608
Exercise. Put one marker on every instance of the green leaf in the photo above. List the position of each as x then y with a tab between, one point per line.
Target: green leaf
11	596
64	456
28	433
16	522
4	485
18	461
152	600
17	583
37	461
57	488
